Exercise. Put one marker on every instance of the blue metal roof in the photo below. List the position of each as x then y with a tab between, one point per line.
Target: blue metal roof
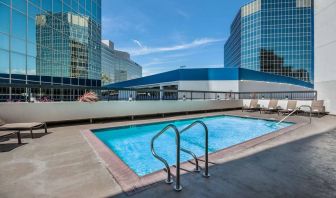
203	74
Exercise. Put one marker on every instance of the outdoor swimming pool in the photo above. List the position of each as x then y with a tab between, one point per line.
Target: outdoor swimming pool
132	143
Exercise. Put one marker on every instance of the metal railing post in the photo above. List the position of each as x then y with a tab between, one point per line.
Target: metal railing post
206	143
206	172
178	186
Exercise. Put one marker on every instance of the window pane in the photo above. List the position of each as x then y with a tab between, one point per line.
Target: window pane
36	2
20	5
18	63
31	65
5	1
4	14
33	11
19	25
57	6
18	45
31	49
88	6
47	5
4	42
32	30
4	61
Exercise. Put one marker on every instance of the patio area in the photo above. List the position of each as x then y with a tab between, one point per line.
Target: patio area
62	164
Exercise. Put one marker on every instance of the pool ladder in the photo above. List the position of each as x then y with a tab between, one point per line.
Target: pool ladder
169	180
298	109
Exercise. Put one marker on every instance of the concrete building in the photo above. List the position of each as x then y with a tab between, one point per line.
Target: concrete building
117	65
325	51
274	37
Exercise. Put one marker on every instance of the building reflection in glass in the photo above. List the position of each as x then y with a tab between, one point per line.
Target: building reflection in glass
51	38
53	42
274	37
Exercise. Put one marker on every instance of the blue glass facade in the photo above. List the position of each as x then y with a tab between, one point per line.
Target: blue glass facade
232	56
276	37
50	39
55	42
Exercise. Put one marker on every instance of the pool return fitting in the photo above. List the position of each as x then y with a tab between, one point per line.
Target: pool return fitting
169	180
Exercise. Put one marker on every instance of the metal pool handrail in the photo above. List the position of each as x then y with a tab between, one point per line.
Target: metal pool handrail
295	110
169	180
206	172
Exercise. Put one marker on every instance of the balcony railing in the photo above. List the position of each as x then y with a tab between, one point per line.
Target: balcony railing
53	93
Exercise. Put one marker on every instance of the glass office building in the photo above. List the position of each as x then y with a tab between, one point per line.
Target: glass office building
117	66
51	42
273	36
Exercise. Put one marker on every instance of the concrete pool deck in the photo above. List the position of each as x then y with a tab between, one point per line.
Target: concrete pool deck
62	164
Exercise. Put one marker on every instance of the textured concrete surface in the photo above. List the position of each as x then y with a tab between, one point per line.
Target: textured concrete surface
62	164
303	168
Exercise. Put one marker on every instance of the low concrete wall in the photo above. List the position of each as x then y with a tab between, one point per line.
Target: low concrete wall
67	111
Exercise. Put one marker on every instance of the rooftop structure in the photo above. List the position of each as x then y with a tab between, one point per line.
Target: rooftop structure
217	79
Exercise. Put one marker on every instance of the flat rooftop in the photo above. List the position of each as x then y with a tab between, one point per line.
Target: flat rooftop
300	163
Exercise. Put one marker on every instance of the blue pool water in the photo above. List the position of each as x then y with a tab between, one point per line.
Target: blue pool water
132	143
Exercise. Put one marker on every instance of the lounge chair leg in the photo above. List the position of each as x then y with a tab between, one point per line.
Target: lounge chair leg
45	128
31	133
18	134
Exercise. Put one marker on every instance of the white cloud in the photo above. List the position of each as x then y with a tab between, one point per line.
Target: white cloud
182	13
144	50
152	71
138	43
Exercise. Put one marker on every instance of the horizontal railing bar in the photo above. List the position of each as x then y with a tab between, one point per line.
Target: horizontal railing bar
45	86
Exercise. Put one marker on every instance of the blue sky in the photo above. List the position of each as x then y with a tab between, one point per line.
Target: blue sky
162	35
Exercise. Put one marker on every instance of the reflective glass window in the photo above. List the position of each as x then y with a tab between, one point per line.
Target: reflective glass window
18	45
57	6
4	61
31	30
47	5
4	41
7	2
19	25
33	11
31	65
4	14
36	2
31	49
20	5
18	63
